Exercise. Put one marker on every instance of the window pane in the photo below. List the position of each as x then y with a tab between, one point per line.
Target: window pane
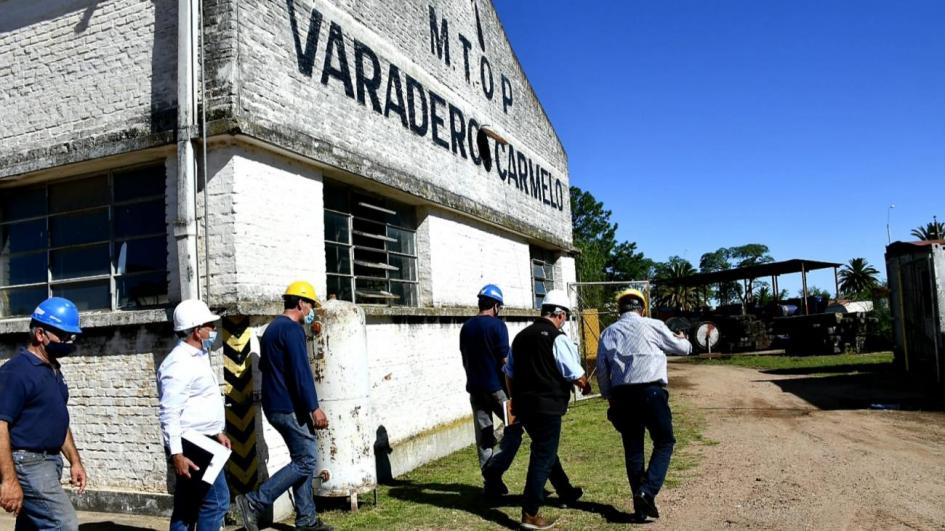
21	301
21	204
370	263
138	219
407	267
539	288
369	291
336	198
406	292
538	271
83	193
81	262
139	182
337	259
74	229
147	254
538	302
23	269
85	295
549	271
339	288
138	291
23	236
404	243
336	227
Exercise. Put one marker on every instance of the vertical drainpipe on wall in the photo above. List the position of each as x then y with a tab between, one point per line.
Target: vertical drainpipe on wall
185	225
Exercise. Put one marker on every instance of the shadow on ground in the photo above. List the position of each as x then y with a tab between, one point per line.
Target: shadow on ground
469	498
111	526
871	387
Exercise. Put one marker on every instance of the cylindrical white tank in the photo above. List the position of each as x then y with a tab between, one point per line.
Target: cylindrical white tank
346	448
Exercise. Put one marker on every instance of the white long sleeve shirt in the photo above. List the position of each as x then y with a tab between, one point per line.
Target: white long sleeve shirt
633	351
190	396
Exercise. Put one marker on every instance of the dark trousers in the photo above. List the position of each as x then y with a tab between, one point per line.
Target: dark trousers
493	461
543	464
635	408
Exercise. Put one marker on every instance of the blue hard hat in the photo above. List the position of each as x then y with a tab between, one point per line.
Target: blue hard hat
493	292
58	313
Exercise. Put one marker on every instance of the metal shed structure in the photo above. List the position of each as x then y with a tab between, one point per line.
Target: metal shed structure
916	272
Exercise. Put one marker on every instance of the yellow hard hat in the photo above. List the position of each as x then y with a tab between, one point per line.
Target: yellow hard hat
303	289
631	292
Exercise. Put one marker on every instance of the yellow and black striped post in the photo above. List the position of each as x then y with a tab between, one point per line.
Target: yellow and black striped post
240	413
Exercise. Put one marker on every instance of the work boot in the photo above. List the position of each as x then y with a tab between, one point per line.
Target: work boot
570	496
245	507
319	525
645	505
536	522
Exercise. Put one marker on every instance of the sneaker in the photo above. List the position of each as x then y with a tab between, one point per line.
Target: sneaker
569	497
319	525
536	522
247	513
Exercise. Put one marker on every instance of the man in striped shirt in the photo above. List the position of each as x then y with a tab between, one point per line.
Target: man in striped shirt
631	372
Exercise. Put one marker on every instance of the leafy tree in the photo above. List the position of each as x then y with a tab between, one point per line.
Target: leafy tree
671	295
857	278
730	257
602	257
814	291
934	230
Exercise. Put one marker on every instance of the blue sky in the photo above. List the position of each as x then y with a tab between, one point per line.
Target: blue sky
706	124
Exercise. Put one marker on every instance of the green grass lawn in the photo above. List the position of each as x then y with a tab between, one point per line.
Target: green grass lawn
833	364
446	494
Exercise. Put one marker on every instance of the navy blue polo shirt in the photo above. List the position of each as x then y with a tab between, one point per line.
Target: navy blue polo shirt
484	344
287	382
33	397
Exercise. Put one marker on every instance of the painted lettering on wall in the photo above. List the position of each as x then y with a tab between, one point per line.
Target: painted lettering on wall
440	48
354	68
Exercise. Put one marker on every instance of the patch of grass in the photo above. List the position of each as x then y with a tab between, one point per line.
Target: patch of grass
832	364
446	494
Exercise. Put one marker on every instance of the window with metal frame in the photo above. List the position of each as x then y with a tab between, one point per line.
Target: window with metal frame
98	240
370	248
543	274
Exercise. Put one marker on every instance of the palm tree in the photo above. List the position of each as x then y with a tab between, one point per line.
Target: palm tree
932	231
857	276
673	295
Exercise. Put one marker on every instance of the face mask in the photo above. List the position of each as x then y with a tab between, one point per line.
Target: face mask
59	350
310	317
208	343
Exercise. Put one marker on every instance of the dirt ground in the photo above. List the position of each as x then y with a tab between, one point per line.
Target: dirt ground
801	451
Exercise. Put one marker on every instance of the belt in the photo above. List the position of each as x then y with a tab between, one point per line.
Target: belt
36	451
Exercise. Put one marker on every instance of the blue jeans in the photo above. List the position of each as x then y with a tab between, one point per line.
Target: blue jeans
492	462
45	504
635	408
300	440
199	506
543	464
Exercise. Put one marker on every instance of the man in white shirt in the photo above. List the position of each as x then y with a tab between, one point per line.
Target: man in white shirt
631	373
191	401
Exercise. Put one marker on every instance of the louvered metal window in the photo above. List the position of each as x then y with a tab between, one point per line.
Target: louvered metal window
98	240
370	249
543	274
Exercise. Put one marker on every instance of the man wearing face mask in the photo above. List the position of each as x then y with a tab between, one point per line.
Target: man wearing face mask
34	423
191	401
291	405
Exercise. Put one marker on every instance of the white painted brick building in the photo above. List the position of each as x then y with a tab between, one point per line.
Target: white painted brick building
345	144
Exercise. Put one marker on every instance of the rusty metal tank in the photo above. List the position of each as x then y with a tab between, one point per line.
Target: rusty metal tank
340	367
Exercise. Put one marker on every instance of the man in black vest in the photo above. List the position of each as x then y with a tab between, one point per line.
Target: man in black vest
542	369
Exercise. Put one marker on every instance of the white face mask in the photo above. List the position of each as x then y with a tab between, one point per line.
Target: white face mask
208	343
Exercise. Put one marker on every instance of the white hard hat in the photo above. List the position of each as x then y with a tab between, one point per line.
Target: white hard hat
557	297
192	313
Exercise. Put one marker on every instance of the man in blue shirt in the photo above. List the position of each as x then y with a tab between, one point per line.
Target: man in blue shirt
291	406
34	423
484	344
631	372
543	369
